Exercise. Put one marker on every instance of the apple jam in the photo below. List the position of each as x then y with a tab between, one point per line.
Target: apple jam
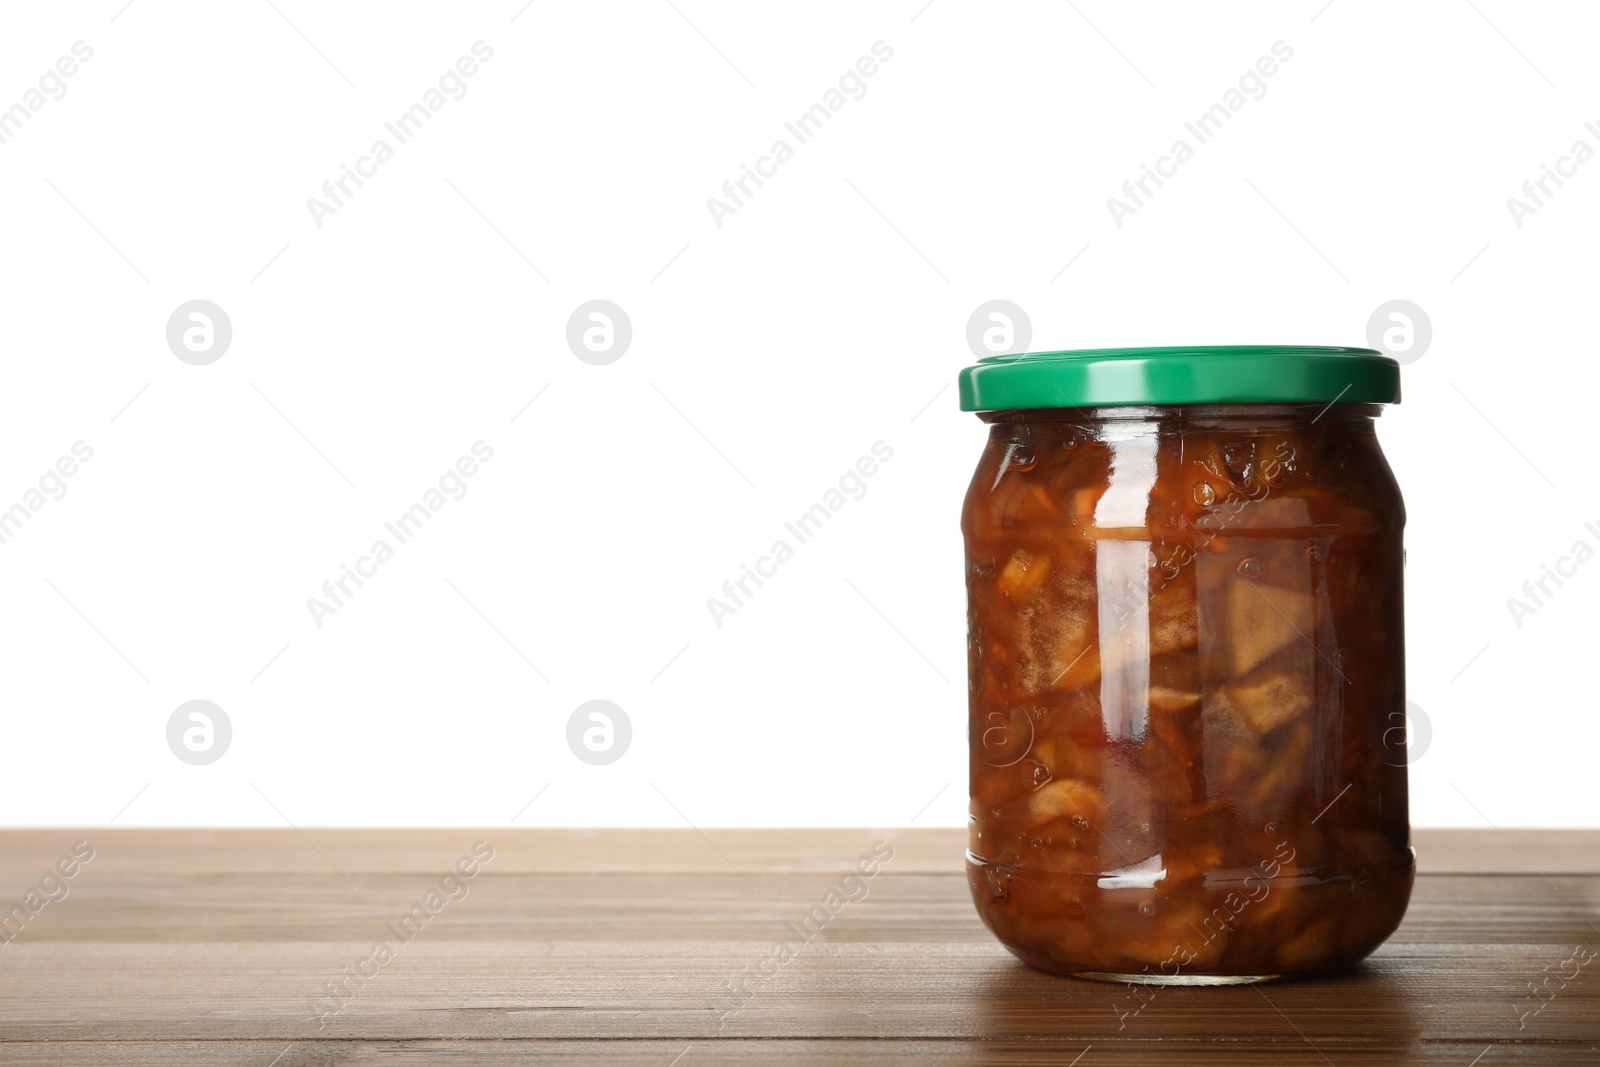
1187	698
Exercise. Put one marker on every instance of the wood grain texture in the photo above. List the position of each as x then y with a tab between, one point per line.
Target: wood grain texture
645	947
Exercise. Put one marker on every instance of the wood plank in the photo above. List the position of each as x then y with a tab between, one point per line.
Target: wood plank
213	946
28	851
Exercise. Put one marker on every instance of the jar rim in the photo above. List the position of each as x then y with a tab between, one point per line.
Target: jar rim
1192	374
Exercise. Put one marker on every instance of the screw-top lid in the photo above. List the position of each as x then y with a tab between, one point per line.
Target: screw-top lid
1205	374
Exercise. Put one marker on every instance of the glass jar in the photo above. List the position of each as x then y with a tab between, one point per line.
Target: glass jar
1186	662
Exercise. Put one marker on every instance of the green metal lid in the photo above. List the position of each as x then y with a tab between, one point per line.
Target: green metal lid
1206	374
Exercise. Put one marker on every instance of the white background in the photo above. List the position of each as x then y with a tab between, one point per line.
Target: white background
827	314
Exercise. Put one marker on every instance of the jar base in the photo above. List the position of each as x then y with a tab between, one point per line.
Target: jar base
1177	979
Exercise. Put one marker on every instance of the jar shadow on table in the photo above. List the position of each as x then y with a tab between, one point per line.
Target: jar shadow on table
1371	1006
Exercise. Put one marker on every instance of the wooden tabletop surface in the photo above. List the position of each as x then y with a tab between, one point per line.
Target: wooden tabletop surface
678	948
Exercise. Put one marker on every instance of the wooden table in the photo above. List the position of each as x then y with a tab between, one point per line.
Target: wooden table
657	947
